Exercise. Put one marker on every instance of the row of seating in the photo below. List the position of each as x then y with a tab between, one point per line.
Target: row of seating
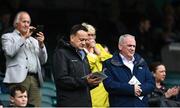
48	94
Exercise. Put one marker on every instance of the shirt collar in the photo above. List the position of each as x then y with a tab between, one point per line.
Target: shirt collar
18	32
124	58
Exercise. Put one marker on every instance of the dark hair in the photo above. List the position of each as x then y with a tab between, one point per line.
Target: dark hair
154	65
17	88
76	28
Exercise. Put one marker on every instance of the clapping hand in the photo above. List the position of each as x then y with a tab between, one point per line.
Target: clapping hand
172	92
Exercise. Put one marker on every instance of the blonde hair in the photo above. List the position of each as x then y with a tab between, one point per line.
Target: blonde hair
89	27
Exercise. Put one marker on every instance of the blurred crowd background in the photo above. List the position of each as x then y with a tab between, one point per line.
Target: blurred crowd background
154	23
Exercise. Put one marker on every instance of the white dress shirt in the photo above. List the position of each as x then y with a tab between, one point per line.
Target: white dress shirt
128	63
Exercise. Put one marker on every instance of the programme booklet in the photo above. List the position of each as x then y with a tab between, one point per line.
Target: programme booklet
98	74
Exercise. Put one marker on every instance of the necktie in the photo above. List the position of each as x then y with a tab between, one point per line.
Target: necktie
82	54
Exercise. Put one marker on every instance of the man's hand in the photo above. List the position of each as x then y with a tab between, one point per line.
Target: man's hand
137	90
28	33
40	38
93	80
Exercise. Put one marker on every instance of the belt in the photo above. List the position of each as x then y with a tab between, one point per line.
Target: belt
31	74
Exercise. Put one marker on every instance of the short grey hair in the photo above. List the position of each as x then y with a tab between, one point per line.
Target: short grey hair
122	37
17	17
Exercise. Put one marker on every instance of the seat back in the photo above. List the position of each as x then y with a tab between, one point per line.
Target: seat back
5	99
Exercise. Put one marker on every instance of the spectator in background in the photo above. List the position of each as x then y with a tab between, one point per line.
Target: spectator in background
5	17
70	67
19	97
129	80
161	96
24	56
144	38
167	33
96	54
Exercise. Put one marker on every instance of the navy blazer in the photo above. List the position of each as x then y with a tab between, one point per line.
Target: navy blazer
120	92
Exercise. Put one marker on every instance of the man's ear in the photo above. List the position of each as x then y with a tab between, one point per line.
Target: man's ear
11	99
120	47
16	24
71	37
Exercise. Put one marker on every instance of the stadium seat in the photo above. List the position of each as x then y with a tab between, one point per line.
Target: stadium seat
49	85
48	92
46	101
5	99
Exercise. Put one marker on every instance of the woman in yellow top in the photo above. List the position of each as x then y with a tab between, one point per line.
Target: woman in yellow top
96	54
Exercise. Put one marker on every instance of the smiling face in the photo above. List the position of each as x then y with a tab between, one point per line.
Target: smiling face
23	22
127	47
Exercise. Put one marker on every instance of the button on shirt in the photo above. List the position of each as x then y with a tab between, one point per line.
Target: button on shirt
30	56
129	64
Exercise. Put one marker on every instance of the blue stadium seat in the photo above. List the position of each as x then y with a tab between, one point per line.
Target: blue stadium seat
5	98
48	92
49	85
46	101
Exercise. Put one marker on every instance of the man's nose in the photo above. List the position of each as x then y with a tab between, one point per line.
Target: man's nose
83	42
